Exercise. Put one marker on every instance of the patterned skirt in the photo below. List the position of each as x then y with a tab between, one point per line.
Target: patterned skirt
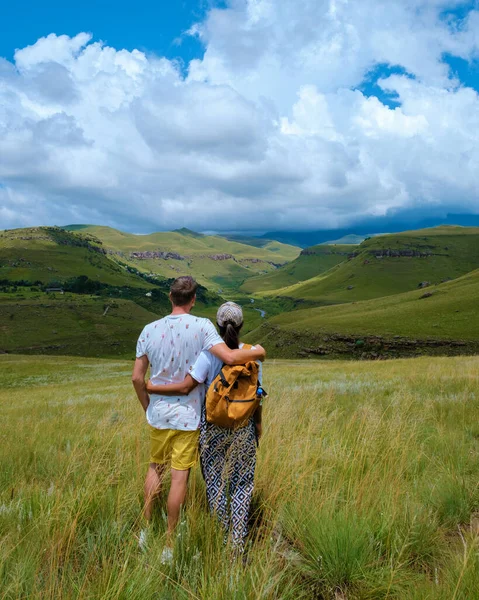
228	460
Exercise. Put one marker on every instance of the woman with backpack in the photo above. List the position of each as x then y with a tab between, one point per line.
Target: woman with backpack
227	454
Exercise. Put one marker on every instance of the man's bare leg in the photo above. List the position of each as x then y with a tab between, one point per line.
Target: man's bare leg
153	481
176	497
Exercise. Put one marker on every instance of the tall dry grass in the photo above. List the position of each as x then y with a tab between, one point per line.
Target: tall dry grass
366	487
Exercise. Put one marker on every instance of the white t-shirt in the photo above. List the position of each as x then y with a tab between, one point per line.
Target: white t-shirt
207	367
172	345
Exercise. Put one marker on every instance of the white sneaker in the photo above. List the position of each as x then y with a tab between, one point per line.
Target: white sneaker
166	556
143	540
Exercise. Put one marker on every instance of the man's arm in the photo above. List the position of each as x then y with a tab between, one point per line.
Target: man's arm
138	379
237	357
183	388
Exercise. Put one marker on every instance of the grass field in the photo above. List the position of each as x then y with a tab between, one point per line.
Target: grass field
366	487
70	324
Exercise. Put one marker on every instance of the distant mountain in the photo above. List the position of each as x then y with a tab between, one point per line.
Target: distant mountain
186	231
115	281
378	225
351	239
257	242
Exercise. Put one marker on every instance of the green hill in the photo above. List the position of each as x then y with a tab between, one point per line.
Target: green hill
257	242
395	263
216	262
78	325
35	320
440	319
50	255
86	325
311	262
70	324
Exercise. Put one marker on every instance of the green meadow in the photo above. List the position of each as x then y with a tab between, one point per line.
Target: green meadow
366	486
71	324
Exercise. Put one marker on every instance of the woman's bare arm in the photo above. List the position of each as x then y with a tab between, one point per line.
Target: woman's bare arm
183	388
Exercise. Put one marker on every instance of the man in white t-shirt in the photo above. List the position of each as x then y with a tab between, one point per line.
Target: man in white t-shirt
170	346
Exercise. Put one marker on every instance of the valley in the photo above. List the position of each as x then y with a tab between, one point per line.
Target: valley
441	319
88	290
216	262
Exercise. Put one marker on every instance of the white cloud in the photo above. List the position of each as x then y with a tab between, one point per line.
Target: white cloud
267	131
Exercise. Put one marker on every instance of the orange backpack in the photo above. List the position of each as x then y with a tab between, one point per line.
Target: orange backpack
233	397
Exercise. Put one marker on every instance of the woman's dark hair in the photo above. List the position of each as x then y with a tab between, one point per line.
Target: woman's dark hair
230	334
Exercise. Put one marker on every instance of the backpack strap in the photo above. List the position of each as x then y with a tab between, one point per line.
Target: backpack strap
222	377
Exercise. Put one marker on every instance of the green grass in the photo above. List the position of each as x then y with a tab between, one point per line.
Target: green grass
449	313
366	487
451	252
310	263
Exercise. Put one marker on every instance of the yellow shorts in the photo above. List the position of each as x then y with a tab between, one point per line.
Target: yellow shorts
171	445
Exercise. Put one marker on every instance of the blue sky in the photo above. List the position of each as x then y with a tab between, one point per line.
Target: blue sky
150	26
159	27
467	72
284	113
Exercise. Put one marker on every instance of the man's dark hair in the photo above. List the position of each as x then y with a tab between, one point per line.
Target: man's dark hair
183	290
